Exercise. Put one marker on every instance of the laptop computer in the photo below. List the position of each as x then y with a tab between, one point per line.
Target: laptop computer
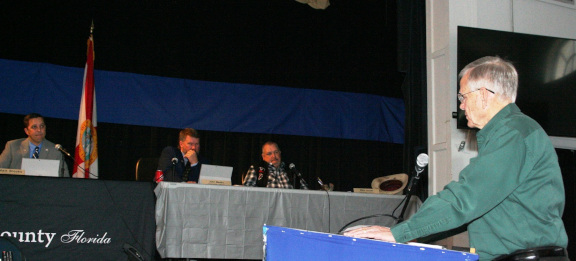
215	175
41	167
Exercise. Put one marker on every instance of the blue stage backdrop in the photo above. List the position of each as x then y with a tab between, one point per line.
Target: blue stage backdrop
135	99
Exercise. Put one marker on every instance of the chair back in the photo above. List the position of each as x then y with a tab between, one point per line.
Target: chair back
146	169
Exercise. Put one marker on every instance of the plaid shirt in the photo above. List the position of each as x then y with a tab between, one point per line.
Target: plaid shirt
277	178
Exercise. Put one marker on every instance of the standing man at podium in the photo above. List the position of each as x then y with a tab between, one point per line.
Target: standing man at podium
511	196
183	164
272	172
35	146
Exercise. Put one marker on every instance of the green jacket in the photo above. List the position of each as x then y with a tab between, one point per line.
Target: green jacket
511	196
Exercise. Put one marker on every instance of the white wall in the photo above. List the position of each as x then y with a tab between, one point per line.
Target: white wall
540	17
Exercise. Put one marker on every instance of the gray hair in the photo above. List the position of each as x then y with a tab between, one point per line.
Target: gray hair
492	73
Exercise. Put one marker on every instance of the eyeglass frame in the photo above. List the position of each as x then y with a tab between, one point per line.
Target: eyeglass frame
461	96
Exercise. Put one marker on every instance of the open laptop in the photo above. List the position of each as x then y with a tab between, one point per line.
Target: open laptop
41	167
215	175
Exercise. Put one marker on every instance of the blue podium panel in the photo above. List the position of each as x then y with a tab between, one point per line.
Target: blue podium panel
286	244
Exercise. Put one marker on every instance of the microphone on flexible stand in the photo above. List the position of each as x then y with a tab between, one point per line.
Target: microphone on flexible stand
174	161
421	163
297	174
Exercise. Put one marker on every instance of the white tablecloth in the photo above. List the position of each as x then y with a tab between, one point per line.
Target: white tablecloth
209	221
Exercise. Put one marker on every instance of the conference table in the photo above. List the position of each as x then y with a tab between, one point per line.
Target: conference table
226	222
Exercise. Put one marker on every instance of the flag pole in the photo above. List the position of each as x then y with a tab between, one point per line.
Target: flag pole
86	152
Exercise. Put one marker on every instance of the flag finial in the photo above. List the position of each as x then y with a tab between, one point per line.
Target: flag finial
92	27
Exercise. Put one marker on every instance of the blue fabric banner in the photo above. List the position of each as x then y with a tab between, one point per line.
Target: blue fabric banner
127	98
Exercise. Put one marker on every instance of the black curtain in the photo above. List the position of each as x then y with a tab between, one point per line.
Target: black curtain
351	47
412	61
346	163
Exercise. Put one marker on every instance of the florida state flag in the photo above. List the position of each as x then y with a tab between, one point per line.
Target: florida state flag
86	156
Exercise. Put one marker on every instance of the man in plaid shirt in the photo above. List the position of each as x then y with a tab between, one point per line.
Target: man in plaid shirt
272	171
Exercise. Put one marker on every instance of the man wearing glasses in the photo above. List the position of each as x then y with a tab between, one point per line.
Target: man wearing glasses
272	172
35	146
511	196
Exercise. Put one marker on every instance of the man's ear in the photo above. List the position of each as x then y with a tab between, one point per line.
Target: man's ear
485	97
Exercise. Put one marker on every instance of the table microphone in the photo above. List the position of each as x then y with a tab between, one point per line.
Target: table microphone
59	147
320	181
294	170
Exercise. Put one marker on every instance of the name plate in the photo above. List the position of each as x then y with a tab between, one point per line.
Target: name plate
366	190
216	182
12	171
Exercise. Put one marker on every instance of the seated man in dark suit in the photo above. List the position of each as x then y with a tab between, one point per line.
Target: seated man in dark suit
35	146
183	164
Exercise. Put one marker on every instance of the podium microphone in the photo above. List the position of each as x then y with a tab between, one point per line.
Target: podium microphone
59	147
421	163
174	161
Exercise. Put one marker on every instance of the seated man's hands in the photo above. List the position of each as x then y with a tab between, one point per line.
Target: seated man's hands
192	157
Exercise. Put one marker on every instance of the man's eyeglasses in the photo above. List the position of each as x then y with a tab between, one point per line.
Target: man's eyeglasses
461	95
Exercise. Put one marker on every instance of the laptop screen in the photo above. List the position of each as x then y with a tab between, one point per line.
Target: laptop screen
214	174
41	167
